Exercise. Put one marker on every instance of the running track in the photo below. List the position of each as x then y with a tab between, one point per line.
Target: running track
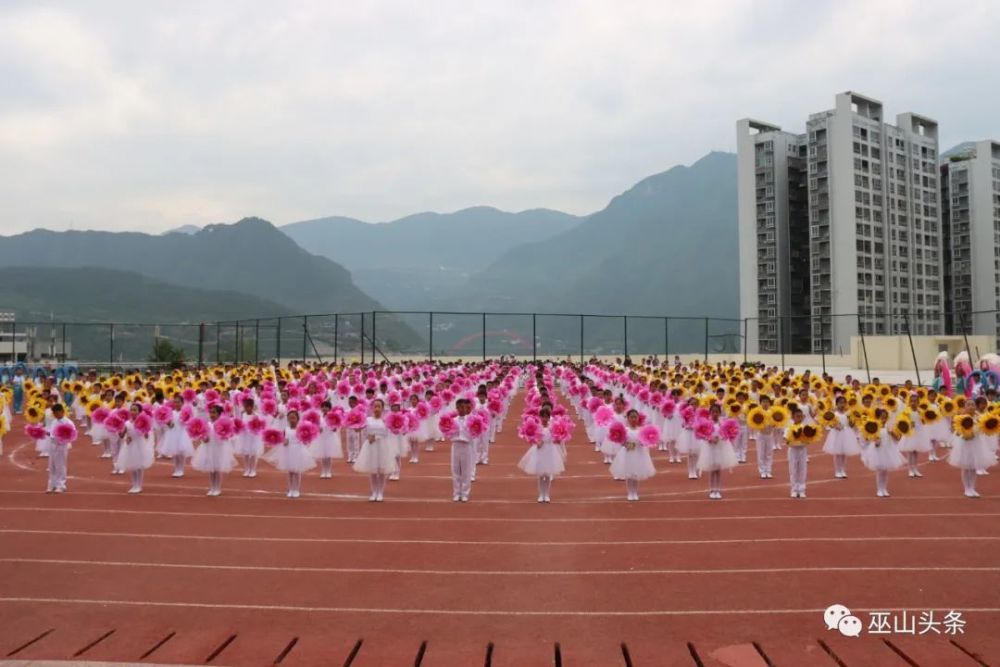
253	578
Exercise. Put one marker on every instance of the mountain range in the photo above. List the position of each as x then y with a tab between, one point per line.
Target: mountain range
668	245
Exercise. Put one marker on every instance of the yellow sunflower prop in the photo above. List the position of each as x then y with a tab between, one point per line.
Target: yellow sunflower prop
777	416
964	425
870	428
989	424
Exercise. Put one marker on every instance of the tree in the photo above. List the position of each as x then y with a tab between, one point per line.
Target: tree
165	353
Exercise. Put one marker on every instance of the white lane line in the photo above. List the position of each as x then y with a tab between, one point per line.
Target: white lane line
529	543
462	519
509	573
280	496
462	612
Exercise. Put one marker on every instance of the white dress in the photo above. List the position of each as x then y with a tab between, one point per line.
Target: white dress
176	441
293	456
720	455
919	440
974	454
214	456
327	445
543	459
248	443
378	456
843	441
136	452
883	455
634	463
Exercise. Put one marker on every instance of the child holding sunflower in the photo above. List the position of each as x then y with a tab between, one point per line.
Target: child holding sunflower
841	441
881	448
798	435
969	449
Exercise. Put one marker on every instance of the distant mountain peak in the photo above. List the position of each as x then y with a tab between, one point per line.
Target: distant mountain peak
183	229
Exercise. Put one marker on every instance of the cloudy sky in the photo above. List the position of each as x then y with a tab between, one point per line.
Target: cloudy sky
148	115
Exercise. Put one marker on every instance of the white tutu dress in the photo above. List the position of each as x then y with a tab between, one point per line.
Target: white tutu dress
248	443
882	455
136	452
378	456
176	441
919	440
842	441
214	456
720	455
293	456
634	463
328	445
544	459
974	454
686	442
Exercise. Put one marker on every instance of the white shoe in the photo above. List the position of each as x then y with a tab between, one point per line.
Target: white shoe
982	473
413	460
465	499
105	455
802	494
253	474
692	476
541	499
885	494
210	493
372	498
793	494
486	462
288	494
456	499
60	489
547	499
394	478
176	474
917	473
878	494
970	494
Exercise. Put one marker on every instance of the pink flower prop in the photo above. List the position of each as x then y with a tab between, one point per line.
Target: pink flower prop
643	395
334	418
447	396
617	433
306	432
530	430
256	424
356	419
36	431
343	389
396	423
224	428
436	404
393	398
649	436
729	429
239	426
211	396
114	423
316	401
604	415
314	416
423	410
64	432
561	429
186	413
196	428
447	425
189	395
477	425
99	415
123	414
412	422
163	414
142	423
269	406
702	413
667	408
594	403
704	429
688	414
494	406
273	437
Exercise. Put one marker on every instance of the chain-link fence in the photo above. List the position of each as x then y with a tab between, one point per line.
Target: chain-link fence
856	340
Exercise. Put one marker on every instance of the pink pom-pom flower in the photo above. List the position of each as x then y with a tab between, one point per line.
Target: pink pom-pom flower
477	425
704	429
604	415
36	431
729	429
447	425
356	418
256	424
186	413
224	428
617	433
436	404
239	426
314	416
163	414
649	436
422	409
412	421
561	429
64	432
334	418
343	389
667	408
396	423
273	437
189	395
196	428
530	430
269	406
99	415
142	423
114	423
306	432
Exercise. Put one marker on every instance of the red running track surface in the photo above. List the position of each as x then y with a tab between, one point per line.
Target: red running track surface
254	578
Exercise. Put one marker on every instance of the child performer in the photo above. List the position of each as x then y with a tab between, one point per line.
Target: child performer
136	451
176	443
292	456
544	460
883	455
328	445
841	441
798	455
632	462
61	436
716	452
248	444
463	454
377	457
214	454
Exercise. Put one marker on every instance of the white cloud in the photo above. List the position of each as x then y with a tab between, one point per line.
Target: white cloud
124	115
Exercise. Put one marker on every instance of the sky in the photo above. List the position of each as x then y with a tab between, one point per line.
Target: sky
148	115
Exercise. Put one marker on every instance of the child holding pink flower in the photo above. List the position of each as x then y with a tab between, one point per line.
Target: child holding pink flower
293	455
215	450
632	463
716	450
136	451
61	434
543	458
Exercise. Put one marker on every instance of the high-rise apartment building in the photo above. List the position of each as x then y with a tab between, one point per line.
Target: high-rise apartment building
970	198
872	228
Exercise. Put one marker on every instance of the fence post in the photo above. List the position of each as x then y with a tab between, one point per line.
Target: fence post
336	327
201	344
746	331
861	332
706	340
373	337
822	348
625	346
277	343
781	339
256	341
305	335
111	350
534	337
239	343
581	340
906	321
430	335
484	336
64	355
666	339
